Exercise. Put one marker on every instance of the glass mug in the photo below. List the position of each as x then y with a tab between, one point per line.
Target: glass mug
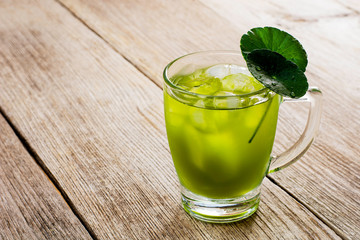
221	145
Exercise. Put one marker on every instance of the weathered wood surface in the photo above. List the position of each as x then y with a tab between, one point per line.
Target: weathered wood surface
30	205
96	124
327	179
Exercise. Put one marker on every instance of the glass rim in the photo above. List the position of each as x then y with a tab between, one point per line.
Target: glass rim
177	88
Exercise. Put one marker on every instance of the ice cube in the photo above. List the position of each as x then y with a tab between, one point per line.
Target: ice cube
234	82
200	103
188	81
209	86
202	120
240	83
219	71
226	102
206	102
238	69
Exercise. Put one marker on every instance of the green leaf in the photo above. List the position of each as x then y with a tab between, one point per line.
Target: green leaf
277	73
275	40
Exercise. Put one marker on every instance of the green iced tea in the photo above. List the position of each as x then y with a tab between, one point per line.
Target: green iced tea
221	133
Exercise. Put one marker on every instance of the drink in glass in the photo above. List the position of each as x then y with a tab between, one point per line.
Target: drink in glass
221	125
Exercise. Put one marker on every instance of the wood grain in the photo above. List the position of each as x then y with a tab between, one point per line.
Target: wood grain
152	36
96	124
30	206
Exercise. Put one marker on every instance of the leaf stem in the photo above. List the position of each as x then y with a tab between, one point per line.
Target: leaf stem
261	120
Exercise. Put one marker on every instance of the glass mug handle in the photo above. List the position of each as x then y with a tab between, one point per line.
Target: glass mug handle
314	96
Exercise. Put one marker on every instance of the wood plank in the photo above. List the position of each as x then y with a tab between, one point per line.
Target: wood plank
150	35
329	31
30	205
96	124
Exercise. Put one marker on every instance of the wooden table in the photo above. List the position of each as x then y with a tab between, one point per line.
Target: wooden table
83	149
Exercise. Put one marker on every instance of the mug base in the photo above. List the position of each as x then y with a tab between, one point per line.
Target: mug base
221	210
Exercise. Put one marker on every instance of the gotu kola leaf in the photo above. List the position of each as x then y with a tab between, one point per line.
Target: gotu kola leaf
275	40
277	73
277	60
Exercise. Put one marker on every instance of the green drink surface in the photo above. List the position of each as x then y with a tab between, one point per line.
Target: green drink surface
220	146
